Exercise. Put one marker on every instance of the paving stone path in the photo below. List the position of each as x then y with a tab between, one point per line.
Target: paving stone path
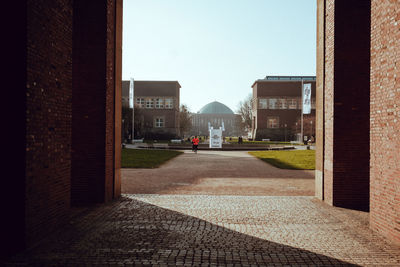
198	230
218	173
229	210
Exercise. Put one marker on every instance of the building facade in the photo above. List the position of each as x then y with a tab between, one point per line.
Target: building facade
157	105
214	113
277	103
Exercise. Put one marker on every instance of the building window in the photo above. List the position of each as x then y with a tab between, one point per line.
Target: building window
281	103
149	103
169	103
273	122
159	122
140	102
292	103
272	103
159	103
262	103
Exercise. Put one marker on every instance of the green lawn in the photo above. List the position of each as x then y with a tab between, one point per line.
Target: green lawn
146	158
292	159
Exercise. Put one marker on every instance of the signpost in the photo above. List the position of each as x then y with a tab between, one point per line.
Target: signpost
216	136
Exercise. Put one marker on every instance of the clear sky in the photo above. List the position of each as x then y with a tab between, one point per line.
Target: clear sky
216	49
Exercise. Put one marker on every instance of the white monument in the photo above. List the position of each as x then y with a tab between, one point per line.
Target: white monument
216	136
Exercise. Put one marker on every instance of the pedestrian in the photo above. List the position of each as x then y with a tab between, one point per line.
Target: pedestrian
195	143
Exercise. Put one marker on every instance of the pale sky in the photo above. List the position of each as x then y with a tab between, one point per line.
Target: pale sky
216	49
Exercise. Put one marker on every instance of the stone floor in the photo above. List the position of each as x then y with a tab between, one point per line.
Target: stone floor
227	209
204	230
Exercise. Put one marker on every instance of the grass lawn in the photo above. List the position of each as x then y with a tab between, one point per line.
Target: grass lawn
146	158
292	159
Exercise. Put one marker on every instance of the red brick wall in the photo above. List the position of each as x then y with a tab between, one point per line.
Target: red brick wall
347	104
328	107
48	111
385	118
93	102
110	106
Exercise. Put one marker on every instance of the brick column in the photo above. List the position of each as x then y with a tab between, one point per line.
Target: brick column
93	105
385	119
346	106
319	112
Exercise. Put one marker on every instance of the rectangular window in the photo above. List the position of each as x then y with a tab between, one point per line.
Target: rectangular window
159	103
292	103
149	103
140	102
281	103
262	103
169	103
272	103
159	122
273	122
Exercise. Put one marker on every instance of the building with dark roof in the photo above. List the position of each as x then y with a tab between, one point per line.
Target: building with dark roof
277	108
214	113
157	103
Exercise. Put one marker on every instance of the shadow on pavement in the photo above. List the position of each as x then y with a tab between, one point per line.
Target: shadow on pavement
133	232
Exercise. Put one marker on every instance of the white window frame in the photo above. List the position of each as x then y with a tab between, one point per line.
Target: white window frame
262	103
283	103
290	103
169	103
159	103
275	125
140	102
149	103
159	122
272	103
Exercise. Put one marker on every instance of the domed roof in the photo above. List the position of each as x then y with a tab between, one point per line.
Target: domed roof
215	108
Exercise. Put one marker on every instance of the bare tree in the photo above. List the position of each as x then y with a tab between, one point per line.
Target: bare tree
185	120
245	111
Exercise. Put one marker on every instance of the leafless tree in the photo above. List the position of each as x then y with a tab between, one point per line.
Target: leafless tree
245	111
185	120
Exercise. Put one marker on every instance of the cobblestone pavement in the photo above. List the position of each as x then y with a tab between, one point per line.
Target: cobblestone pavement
205	230
218	173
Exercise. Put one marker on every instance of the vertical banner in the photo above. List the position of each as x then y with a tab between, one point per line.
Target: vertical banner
307	98
131	105
131	84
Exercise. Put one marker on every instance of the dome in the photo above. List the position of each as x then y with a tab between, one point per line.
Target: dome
215	108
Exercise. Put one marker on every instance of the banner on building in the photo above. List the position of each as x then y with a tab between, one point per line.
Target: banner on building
307	98
131	95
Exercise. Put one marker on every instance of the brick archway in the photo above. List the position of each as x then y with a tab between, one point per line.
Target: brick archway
67	89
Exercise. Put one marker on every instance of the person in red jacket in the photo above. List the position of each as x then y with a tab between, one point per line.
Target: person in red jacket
195	143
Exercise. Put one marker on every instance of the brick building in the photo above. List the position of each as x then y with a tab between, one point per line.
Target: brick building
65	61
214	113
158	108
277	108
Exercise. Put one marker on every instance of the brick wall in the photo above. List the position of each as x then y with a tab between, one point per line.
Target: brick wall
328	101
48	111
93	102
385	118
347	104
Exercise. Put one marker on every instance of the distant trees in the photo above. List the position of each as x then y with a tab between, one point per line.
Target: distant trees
185	120
245	110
